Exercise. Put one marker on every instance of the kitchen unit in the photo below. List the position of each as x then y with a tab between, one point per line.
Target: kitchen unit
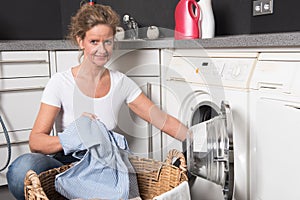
25	73
258	45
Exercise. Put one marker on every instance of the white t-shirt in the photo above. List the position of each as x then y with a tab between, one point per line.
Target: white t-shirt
62	91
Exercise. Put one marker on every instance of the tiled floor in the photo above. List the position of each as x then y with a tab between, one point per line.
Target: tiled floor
4	194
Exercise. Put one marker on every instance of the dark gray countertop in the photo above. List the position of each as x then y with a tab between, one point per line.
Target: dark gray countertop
272	40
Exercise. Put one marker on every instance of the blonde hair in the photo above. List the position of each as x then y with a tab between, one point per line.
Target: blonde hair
89	16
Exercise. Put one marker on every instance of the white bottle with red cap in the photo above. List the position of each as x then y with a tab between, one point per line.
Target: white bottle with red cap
207	20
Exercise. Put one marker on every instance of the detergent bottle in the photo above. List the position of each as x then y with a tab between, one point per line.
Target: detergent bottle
207	21
187	15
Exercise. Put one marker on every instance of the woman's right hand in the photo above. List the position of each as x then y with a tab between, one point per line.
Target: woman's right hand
90	115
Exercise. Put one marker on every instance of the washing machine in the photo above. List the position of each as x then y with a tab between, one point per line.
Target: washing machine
195	85
274	127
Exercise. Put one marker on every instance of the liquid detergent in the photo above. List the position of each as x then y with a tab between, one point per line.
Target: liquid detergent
187	15
207	21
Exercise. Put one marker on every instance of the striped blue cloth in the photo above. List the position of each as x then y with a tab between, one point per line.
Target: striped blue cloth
104	171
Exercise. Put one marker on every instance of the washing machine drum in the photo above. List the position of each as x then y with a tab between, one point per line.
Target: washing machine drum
210	148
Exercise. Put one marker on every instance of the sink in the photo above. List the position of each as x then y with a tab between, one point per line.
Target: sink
131	40
139	40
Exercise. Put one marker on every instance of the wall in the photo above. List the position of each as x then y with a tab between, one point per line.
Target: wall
284	19
30	19
146	13
232	17
49	19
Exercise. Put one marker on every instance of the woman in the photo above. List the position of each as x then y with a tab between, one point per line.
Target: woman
89	89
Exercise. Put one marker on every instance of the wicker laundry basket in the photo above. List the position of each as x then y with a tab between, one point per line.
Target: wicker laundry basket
154	178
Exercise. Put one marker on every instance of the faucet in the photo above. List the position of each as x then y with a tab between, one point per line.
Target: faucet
132	26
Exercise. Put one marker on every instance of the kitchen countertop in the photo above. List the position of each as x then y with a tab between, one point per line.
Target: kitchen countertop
271	40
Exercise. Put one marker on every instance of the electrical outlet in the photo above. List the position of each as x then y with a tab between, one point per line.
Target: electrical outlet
262	7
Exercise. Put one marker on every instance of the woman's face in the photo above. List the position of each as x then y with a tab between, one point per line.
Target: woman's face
98	44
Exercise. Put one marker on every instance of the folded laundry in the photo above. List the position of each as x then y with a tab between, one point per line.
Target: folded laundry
104	170
180	192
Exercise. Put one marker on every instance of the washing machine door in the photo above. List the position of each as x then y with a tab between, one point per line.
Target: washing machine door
210	150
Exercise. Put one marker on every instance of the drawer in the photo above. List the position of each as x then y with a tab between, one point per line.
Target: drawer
16	150
24	64
7	85
15	137
136	62
19	109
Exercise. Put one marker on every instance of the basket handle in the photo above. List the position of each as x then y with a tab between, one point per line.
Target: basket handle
31	178
32	186
174	153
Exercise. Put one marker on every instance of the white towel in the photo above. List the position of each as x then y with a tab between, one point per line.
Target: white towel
181	192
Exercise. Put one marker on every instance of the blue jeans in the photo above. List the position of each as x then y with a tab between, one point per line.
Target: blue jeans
35	161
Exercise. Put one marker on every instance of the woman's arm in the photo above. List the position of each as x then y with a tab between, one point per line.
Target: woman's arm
40	139
148	111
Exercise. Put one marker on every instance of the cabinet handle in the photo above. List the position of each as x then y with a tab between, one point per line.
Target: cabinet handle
176	79
150	137
21	89
22	61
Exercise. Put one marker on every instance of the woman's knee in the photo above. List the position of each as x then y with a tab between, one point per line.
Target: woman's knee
16	173
20	166
35	161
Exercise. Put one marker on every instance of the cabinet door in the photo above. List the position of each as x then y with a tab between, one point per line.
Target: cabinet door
136	62
66	59
143	67
143	139
275	149
23	75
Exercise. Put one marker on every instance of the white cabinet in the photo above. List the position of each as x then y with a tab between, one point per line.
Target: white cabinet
142	66
66	59
143	138
136	62
23	76
274	126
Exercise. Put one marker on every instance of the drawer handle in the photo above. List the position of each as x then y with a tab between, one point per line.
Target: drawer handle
22	61
176	79
22	89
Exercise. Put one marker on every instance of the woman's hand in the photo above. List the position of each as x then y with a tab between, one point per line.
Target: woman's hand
90	115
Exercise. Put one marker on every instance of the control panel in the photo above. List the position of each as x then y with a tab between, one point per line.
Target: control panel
229	72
